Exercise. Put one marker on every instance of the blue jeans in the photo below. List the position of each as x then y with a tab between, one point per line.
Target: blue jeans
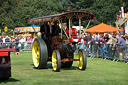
22	46
8	44
16	45
105	49
1	45
88	49
4	44
100	51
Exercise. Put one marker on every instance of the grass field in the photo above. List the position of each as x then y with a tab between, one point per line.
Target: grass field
98	72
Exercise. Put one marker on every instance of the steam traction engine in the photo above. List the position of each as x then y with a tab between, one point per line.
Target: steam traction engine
56	43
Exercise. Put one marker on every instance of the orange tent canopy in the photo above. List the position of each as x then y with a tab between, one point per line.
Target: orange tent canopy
102	28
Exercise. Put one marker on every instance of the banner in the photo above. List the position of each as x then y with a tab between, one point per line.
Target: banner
122	12
27	29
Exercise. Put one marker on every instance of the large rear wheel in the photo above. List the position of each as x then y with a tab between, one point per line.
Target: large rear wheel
39	53
82	60
56	61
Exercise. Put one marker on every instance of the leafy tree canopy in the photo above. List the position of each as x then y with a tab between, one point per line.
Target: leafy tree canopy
16	13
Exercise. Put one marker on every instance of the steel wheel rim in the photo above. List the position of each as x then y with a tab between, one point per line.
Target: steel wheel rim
54	61
36	53
80	62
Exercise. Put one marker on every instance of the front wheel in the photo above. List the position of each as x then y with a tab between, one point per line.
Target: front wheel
56	61
82	60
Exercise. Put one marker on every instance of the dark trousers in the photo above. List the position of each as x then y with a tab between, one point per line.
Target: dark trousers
122	50
95	50
109	52
100	51
113	52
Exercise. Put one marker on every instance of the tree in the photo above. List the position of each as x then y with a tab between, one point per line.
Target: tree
31	9
6	6
104	10
17	12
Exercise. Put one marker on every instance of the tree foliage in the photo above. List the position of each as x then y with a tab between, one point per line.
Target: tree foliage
16	13
32	8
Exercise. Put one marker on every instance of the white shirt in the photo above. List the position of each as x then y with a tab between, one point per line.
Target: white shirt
22	40
4	40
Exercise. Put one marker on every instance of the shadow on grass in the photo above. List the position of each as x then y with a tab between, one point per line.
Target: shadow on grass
32	64
8	80
49	66
71	68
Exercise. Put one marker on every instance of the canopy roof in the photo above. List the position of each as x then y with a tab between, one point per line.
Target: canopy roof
63	16
33	25
26	29
102	28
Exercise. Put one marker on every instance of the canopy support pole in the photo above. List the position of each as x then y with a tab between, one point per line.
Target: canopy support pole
88	24
80	28
65	32
61	29
50	27
69	28
60	25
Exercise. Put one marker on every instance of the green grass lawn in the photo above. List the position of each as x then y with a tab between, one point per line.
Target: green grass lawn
98	72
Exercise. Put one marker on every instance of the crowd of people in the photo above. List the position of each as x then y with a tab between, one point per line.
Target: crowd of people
17	42
106	45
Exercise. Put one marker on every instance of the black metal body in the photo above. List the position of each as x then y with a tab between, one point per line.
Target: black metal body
5	73
64	46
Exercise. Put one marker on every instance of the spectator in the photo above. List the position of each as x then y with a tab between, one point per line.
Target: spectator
127	45
16	42
22	41
12	42
7	41
81	44
95	45
118	33
106	37
4	44
11	38
55	29
1	40
113	47
89	38
100	46
123	36
29	39
121	48
110	43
